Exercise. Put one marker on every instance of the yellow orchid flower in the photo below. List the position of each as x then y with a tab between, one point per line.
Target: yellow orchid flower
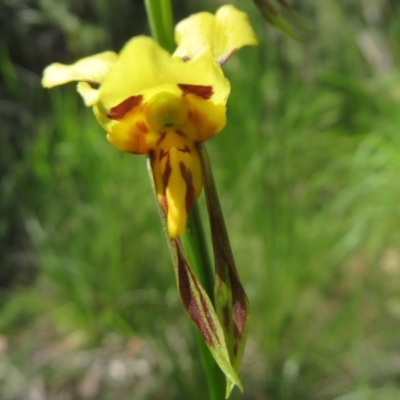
154	103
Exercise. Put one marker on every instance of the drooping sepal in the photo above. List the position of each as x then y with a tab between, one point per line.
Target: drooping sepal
230	299
223	33
92	69
201	311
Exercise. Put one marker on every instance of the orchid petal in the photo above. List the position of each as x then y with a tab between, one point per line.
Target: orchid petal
206	118
147	69
89	94
225	32
91	69
177	176
132	134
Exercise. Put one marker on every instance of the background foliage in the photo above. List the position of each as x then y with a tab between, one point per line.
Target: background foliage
308	170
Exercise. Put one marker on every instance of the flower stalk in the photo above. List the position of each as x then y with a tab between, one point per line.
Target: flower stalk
159	16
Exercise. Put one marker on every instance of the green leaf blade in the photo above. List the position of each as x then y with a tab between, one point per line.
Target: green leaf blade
231	302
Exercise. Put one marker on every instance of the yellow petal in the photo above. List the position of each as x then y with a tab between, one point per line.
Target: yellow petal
132	134
175	193
89	69
181	191
225	32
89	94
205	118
145	68
177	176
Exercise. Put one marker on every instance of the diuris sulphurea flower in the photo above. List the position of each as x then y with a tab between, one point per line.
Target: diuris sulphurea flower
161	105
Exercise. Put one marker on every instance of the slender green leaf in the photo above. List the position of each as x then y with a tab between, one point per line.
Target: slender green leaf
230	298
273	17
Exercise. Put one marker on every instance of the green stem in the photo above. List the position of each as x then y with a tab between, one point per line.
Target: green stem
195	245
159	13
168	23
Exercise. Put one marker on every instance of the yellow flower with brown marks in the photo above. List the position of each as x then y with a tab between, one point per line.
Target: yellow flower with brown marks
162	105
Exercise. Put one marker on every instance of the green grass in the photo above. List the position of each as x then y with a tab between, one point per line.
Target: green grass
307	170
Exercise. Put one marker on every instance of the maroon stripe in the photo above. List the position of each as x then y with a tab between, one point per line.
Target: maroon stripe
239	309
206	327
161	138
226	57
205	92
205	309
122	108
166	173
188	178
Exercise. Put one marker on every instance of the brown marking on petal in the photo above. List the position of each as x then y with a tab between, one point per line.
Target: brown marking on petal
185	150
185	58
166	173
161	138
162	154
142	126
93	84
180	133
122	108
190	197
205	92
164	203
226	57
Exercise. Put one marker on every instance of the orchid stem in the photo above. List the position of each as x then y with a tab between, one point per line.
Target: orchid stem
195	245
159	15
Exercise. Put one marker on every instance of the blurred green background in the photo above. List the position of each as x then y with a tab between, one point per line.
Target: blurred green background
308	171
